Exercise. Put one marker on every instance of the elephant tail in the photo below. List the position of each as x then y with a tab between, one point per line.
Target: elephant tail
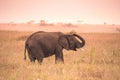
25	52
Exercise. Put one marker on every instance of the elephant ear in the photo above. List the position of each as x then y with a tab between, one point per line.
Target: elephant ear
64	42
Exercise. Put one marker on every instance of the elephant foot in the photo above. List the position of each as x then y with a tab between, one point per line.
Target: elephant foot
59	61
32	60
40	61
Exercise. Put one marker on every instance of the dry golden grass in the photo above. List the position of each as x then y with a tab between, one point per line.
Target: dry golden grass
98	60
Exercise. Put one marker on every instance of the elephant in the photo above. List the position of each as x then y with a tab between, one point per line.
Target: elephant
42	44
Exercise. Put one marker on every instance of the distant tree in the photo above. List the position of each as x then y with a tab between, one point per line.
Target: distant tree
105	23
30	22
79	21
51	24
42	23
11	23
118	29
59	24
68	25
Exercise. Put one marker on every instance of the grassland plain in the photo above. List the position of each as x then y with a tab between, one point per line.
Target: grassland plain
98	60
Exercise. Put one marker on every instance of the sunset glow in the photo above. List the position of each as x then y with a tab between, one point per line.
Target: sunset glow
68	11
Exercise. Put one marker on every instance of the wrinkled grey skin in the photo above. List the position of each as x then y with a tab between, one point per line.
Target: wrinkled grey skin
44	44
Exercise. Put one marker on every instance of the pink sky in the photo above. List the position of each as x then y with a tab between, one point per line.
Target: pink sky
89	11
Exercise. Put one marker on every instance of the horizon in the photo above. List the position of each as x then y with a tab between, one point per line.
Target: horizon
64	11
54	23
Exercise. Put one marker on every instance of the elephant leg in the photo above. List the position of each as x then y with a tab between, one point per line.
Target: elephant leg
59	55
59	58
32	59
40	57
40	60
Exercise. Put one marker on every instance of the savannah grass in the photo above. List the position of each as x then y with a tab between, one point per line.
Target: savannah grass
100	59
92	54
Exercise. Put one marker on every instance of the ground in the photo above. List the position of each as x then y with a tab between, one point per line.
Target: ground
99	59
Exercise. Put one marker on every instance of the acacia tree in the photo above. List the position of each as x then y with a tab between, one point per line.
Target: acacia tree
30	22
118	29
42	23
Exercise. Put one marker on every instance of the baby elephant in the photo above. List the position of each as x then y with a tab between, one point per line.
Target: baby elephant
44	44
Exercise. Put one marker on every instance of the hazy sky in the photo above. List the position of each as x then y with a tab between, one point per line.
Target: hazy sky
89	11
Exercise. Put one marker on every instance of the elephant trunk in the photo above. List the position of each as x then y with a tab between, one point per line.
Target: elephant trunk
83	41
